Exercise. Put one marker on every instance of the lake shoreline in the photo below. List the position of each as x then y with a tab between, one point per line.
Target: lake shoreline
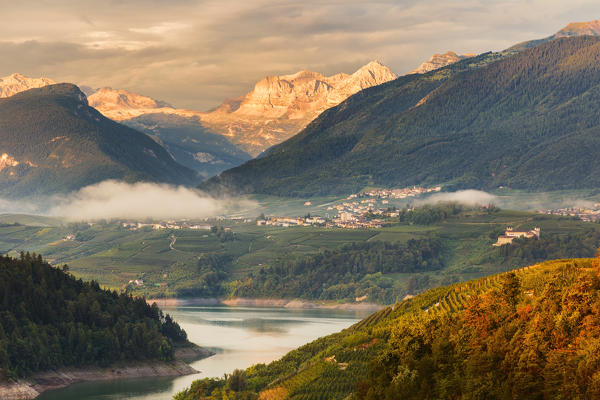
32	387
264	303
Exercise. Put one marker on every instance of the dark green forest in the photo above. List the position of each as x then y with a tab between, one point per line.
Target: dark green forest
350	271
502	119
49	319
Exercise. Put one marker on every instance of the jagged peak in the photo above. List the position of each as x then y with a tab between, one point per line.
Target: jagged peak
303	74
437	61
16	83
18	77
375	66
108	99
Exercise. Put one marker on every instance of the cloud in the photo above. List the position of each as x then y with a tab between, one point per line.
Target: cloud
161	29
468	197
195	53
119	200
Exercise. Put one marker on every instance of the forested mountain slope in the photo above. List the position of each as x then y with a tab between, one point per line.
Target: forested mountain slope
52	141
527	120
48	319
528	334
190	143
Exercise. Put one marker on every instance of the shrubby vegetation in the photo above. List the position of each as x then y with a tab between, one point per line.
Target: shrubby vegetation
430	214
48	319
224	234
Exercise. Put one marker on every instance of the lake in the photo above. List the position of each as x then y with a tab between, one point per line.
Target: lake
240	336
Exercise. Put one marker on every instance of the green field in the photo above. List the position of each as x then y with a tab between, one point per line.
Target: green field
168	260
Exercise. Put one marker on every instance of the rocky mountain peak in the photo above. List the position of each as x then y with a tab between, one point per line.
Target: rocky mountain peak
121	104
280	106
438	61
15	83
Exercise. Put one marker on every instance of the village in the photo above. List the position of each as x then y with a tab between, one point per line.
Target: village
396	193
587	214
176	225
357	211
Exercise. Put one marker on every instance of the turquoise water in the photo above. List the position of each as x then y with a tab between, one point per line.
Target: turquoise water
240	336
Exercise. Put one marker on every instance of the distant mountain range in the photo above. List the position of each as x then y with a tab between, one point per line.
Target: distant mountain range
373	129
274	110
438	61
52	142
523	119
280	106
17	83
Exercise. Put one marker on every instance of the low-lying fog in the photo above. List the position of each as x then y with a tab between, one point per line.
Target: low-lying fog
513	200
119	200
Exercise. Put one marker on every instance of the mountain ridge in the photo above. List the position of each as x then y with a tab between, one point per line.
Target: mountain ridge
275	109
52	141
412	131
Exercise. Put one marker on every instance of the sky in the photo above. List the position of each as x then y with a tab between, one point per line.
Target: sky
196	53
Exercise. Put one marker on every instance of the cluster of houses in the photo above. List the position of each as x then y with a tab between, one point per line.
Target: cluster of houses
292	221
510	234
396	193
134	226
343	220
588	214
356	221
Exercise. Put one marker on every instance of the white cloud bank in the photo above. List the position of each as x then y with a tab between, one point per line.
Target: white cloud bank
115	200
468	197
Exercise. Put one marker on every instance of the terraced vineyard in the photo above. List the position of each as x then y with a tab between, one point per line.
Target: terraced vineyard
336	366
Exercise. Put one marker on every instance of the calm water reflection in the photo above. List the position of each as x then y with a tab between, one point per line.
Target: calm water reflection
241	336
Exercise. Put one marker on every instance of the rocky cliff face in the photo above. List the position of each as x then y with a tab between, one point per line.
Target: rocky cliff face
121	104
280	106
15	83
438	61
